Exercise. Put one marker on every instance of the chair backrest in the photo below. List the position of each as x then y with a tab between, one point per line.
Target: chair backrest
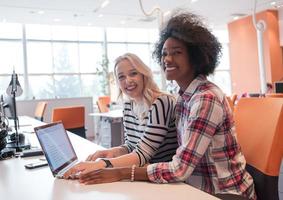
231	105
103	103
259	127
39	110
73	118
232	101
276	95
234	98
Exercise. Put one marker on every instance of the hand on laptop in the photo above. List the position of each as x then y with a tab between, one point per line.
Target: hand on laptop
85	167
100	154
106	175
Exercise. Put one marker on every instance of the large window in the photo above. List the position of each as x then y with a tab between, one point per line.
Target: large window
222	76
64	61
68	61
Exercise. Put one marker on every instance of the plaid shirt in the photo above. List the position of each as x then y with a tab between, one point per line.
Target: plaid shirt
208	157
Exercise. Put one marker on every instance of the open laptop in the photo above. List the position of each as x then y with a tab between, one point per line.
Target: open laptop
57	147
278	87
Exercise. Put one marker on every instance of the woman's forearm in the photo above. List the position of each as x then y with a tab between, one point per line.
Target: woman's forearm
119	151
140	174
125	160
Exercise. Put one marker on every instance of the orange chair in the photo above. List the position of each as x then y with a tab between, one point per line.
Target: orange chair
39	110
234	98
230	103
73	118
276	95
259	127
103	103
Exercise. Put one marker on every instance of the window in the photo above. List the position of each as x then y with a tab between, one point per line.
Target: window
65	63
11	57
39	57
68	61
65	57
222	76
90	57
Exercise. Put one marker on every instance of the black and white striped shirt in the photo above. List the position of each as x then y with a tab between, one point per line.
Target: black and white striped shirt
154	137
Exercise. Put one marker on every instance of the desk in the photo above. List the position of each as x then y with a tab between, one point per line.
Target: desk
109	128
16	182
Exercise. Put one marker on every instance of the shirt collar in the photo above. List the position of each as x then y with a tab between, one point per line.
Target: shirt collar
192	87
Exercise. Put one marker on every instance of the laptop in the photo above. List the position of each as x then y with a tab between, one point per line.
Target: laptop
57	148
278	87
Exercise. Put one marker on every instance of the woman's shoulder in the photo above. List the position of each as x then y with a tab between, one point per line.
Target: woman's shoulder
209	91
164	99
127	105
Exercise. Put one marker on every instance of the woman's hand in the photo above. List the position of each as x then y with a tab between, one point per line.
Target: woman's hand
106	175
85	167
100	154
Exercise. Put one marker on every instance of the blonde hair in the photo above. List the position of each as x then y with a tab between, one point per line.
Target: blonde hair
150	89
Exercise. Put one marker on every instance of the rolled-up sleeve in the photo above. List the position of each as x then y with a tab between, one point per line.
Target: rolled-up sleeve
203	115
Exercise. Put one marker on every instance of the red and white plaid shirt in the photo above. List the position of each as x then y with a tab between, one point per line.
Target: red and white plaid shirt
209	157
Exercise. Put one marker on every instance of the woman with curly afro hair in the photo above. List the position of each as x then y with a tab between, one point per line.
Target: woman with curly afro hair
209	156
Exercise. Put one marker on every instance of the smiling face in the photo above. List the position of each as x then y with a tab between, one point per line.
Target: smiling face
130	81
175	63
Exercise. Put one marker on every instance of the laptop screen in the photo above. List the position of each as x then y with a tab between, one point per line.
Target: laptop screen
56	146
278	87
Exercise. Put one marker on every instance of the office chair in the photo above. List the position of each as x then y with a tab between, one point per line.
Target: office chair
230	102
103	103
73	119
275	95
259	127
234	98
39	110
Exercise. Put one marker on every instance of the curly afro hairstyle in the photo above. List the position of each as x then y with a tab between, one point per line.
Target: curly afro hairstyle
203	47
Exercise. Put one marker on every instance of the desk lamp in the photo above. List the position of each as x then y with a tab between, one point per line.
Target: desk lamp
17	141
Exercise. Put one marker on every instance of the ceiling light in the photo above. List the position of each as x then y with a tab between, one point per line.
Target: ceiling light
4	20
56	20
273	3
147	19
236	17
193	1
40	12
100	15
167	13
122	22
89	24
105	3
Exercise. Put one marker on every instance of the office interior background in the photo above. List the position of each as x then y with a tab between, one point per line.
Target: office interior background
66	49
59	49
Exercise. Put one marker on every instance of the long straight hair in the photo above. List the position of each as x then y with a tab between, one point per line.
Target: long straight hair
150	89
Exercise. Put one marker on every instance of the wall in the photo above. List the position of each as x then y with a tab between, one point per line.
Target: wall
27	107
280	16
244	55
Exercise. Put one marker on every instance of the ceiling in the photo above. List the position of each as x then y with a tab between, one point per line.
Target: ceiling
119	13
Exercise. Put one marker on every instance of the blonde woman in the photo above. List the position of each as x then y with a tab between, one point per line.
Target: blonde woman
148	118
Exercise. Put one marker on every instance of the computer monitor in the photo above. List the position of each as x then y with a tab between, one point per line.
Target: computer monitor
278	87
9	107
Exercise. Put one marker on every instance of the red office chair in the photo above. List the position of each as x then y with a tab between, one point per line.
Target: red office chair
73	119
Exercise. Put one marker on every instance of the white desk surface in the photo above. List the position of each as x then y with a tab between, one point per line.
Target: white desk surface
112	114
16	182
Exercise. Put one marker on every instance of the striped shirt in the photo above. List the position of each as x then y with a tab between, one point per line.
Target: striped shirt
154	137
209	156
